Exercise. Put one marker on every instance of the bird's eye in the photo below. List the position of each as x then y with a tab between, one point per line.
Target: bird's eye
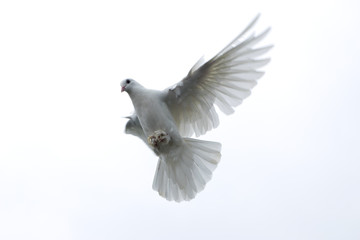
127	81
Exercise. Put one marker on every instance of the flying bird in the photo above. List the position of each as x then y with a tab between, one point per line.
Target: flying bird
165	120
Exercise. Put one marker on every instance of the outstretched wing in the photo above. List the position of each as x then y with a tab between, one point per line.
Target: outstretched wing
134	127
224	81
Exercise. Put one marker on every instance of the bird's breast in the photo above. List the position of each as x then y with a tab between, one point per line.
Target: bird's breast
154	115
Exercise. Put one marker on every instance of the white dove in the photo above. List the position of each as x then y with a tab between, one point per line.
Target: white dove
166	119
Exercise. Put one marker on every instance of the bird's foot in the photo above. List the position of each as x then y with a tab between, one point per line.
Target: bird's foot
159	137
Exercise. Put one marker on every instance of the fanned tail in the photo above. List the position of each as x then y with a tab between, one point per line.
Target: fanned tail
181	174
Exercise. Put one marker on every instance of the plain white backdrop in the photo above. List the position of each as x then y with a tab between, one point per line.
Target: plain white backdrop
290	165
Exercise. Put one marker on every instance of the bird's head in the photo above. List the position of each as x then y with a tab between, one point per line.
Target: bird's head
127	84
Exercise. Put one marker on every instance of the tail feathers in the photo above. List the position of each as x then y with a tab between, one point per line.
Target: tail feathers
181	174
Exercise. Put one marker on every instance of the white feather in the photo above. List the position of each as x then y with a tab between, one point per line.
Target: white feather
225	80
181	174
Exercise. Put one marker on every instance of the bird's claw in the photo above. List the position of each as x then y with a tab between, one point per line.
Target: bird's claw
158	137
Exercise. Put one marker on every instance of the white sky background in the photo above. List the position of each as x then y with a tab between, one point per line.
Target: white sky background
290	165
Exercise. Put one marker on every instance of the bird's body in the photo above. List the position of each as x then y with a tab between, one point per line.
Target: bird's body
154	115
166	119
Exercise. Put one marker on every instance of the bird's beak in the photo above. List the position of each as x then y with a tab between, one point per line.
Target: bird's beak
122	89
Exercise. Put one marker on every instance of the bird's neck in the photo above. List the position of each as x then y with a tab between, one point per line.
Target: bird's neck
136	91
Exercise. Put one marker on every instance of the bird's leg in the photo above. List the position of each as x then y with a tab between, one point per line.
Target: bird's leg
158	137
